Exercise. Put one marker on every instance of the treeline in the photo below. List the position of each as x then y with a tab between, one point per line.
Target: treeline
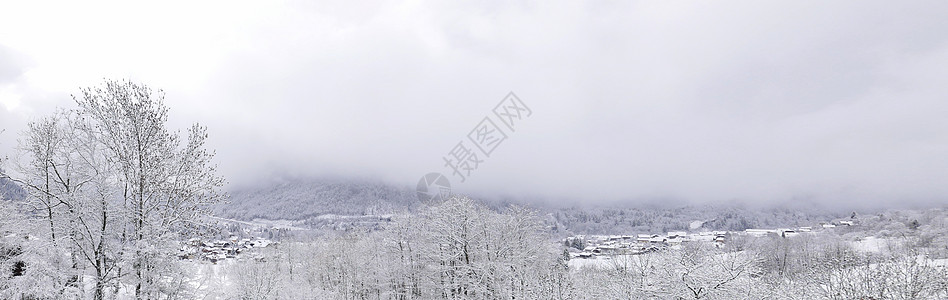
805	267
462	249
632	220
458	249
308	199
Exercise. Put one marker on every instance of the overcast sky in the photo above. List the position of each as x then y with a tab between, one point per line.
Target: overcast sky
842	101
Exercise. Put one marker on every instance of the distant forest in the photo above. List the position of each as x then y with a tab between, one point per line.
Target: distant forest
307	200
10	191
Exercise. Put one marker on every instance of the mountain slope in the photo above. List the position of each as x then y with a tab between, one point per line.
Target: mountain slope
301	199
11	191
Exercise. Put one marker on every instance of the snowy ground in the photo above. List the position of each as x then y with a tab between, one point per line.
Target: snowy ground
606	262
873	244
211	280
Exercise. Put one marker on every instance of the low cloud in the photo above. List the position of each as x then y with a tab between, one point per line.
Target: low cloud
839	102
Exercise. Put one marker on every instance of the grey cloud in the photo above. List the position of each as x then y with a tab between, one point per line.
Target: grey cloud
837	102
12	64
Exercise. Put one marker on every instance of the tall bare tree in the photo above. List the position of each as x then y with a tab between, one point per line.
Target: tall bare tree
164	184
118	186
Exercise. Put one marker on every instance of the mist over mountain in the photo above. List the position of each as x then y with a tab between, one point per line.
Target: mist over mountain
313	201
304	198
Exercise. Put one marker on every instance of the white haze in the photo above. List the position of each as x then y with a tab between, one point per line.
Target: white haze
840	102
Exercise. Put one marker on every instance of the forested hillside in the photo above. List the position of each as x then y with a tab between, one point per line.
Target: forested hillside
10	191
301	199
308	199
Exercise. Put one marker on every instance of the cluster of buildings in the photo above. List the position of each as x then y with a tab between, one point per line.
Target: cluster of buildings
219	250
781	232
596	245
839	223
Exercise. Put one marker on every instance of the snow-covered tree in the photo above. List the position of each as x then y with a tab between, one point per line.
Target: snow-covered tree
163	183
117	187
456	249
